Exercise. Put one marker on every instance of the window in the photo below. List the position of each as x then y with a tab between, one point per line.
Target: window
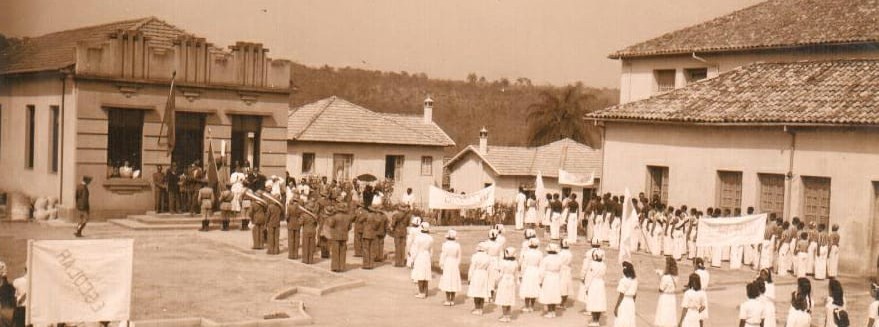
245	140
665	80
771	193
342	166
394	167
729	190
426	166
124	137
657	183
29	138
816	199
307	163
695	74
54	126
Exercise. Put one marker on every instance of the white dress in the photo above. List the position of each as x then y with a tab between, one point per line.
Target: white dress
422	247
520	210
573	221
614	233
810	259
784	259
829	307
626	312
530	267
550	267
450	261
531	212
873	313
494	251
768	300
704	279
566	285
752	312
798	318
766	253
506	287
478	276
666	306
237	181
555	225
821	262
693	300
596	295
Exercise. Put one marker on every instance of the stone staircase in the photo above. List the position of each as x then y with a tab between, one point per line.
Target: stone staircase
165	221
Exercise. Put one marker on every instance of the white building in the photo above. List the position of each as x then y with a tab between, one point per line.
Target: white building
341	140
509	167
796	136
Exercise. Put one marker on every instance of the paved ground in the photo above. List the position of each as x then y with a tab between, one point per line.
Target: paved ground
216	275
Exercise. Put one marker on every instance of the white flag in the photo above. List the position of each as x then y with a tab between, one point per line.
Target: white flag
627	228
79	280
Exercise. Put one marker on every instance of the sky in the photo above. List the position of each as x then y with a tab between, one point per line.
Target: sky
549	41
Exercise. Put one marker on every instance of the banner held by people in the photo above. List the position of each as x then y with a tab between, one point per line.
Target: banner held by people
79	280
732	231
571	179
440	199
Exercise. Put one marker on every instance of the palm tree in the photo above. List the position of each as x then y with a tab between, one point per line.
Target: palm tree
559	115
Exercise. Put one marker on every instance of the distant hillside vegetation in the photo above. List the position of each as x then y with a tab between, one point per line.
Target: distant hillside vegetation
461	108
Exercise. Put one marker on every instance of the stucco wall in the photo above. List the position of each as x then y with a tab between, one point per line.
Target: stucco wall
637	79
370	159
695	154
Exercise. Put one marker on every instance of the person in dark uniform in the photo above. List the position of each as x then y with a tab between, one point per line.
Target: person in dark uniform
194	181
294	224
226	198
378	245
172	182
82	204
399	222
340	225
274	211
258	208
371	224
308	219
7	299
206	200
360	217
322	231
160	191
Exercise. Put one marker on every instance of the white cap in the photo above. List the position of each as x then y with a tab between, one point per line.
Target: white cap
425	226
451	234
510	252
500	228
552	247
533	242
492	233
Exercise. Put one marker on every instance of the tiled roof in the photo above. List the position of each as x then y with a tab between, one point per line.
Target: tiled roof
547	159
820	92
57	50
336	120
771	24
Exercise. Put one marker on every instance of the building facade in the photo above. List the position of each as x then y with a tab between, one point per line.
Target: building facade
341	140
752	110
508	168
84	102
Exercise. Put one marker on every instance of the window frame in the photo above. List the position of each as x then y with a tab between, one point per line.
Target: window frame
340	159
657	82
688	74
721	191
806	182
131	124
664	173
427	161
29	136
54	138
762	190
310	170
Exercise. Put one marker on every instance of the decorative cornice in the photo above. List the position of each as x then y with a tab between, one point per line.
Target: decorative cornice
128	89
248	97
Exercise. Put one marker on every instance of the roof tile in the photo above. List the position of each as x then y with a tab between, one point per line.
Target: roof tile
568	154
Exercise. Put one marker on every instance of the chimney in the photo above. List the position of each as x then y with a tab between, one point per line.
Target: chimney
483	140
428	110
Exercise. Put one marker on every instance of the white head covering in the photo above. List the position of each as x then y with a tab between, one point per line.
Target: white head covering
415	221
425	226
269	184
598	254
565	243
451	234
482	246
530	233
510	252
499	228
552	247
533	242
492	233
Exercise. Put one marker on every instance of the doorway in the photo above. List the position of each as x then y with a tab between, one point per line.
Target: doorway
189	142
245	141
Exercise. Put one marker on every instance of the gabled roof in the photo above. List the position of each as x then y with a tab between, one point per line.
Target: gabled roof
58	50
817	93
568	154
768	25
336	120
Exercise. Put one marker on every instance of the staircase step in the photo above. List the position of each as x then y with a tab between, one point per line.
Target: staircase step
185	220
136	225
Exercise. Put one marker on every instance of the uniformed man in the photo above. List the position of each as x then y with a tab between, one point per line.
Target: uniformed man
361	215
195	179
206	201
258	208
340	225
370	232
82	204
378	245
172	182
274	211
323	201
308	220
160	192
399	222
294	224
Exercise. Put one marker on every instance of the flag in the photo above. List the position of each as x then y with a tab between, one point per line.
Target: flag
168	119
627	228
539	193
213	175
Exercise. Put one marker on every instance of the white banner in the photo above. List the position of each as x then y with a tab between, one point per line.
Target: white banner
571	179
440	199
79	280
732	231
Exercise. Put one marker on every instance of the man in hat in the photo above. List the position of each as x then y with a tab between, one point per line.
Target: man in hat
361	215
294	224
82	204
308	219
274	211
340	225
378	245
399	222
206	200
323	202
371	224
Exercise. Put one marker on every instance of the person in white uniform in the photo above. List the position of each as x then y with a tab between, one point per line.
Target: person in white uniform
628	289
835	301
823	244
521	198
767	297
873	309
422	249
566	286
494	251
751	311
529	266
666	306
596	296
477	276
693	303
450	261
799	316
531	218
704	279
550	269
572	218
505	296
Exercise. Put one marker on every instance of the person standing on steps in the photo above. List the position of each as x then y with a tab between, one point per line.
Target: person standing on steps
82	204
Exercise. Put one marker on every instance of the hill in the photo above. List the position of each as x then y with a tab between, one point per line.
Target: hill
461	107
